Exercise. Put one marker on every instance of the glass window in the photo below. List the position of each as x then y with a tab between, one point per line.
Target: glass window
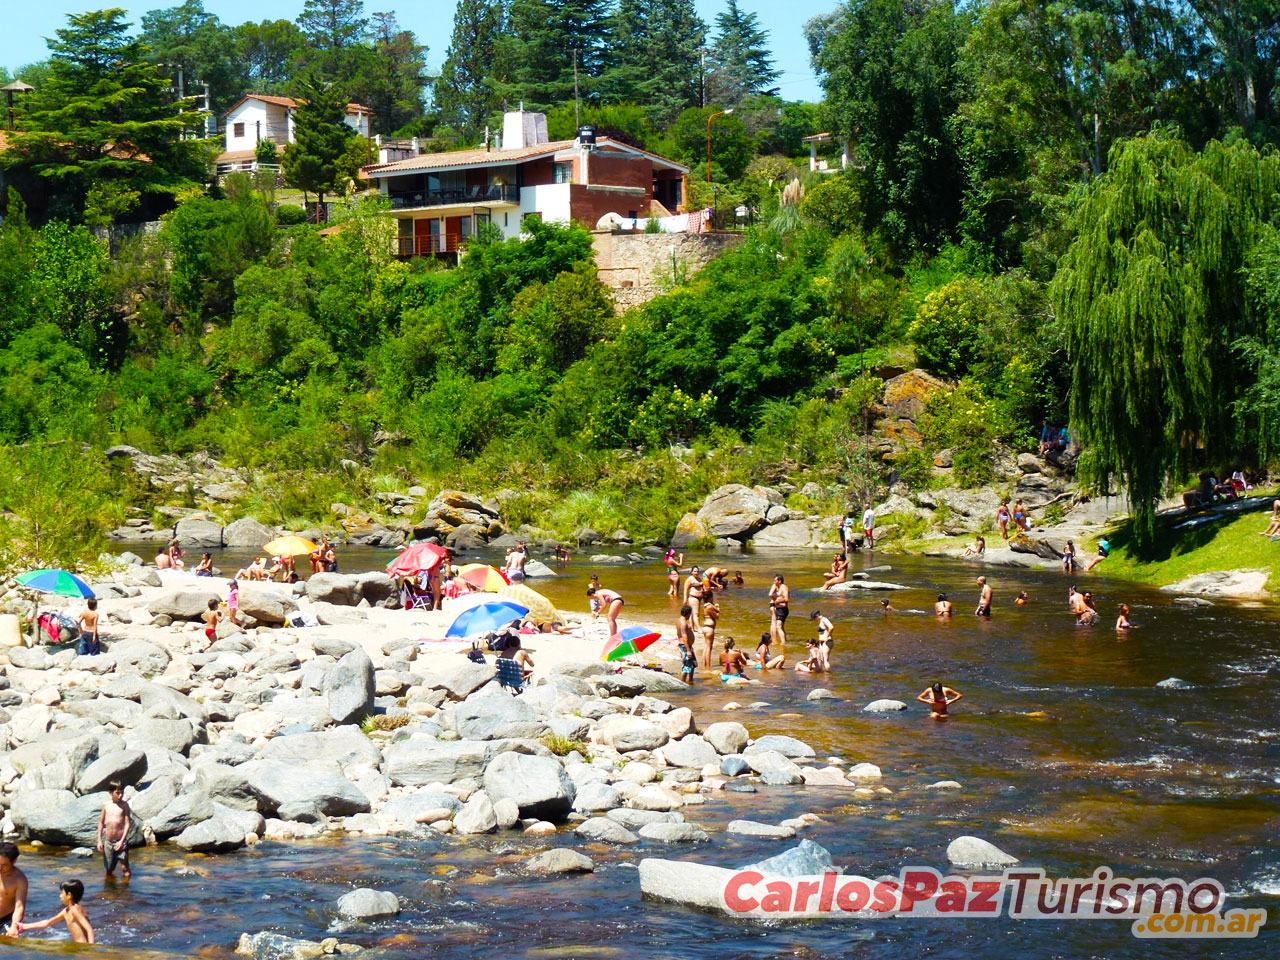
406	227
562	172
464	226
237	129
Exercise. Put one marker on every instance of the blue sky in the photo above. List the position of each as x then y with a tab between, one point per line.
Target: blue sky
27	24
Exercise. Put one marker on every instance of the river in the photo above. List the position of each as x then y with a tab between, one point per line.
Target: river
1069	755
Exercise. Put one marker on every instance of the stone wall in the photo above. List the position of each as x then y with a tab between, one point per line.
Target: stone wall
633	265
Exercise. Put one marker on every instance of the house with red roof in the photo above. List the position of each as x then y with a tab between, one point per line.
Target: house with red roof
439	200
258	117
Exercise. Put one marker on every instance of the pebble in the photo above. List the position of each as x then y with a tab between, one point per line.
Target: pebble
821	693
944	785
732	705
540	829
1173	683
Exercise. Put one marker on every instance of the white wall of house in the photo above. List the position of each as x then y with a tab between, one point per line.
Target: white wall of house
550	199
256	120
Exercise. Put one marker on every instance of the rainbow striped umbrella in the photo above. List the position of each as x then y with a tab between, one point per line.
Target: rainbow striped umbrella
57	582
629	640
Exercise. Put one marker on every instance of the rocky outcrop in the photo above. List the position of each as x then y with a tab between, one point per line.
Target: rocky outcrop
462	519
1243	584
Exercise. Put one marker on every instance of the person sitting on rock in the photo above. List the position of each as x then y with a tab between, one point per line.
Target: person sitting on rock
976	549
813	662
733	660
162	559
205	568
839	571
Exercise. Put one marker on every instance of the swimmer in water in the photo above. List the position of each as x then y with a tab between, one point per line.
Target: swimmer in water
1021	599
939	698
943	607
884	604
1122	622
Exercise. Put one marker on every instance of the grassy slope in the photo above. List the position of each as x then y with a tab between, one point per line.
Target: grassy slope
1228	545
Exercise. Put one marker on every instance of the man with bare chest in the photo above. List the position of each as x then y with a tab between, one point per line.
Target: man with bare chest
13	890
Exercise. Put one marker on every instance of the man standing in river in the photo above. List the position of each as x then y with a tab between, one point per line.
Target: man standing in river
779	610
13	890
984	599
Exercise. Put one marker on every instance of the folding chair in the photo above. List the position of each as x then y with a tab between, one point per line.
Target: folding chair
510	674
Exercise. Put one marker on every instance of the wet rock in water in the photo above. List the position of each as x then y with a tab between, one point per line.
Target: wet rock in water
944	785
596	797
735	512
789	747
477	815
540	828
127	766
752	828
218	834
821	693
691	751
805	859
1192	602
626	733
349	687
727	737
420	761
634	819
740	786
734	766
536	569
421	807
538	785
824	777
368	904
58	817
884	706
507	812
655	797
559	860
265	945
864	771
773	768
684	881
975	852
185	810
1173	683
1243	584
674	833
605	830
276	784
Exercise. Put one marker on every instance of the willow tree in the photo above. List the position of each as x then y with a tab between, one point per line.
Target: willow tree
1151	296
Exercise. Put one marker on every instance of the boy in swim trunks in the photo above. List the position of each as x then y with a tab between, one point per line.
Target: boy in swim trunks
688	661
72	913
211	617
114	824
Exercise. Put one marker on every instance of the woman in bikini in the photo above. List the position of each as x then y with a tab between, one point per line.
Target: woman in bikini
839	571
710	617
826	631
610	604
693	593
939	698
1002	518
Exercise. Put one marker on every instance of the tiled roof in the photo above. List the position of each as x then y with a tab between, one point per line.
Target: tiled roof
230	156
466	158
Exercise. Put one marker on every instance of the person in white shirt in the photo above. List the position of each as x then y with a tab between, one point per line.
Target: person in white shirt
869	526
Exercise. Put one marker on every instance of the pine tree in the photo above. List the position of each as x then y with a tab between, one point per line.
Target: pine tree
539	46
740	61
657	47
103	129
465	90
390	74
1152	298
335	33
313	162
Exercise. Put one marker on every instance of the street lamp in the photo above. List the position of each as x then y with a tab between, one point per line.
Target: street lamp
718	113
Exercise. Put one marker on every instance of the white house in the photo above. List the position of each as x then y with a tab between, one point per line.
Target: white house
259	117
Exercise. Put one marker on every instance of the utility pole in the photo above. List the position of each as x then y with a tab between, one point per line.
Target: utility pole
577	122
702	78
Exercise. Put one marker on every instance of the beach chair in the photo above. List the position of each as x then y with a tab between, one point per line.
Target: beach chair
510	674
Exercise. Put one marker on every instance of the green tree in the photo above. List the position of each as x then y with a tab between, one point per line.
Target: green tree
465	92
1152	298
656	56
538	50
189	38
102	125
266	50
1245	56
731	146
391	76
888	68
313	163
740	62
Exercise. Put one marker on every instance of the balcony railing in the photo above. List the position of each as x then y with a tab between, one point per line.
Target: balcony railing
427	244
408	199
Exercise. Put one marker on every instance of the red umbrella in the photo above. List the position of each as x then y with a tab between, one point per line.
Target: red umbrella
416	559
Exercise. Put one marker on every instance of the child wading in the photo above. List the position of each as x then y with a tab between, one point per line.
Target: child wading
113	831
72	913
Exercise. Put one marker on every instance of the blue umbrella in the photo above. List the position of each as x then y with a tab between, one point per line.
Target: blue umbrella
55	581
485	618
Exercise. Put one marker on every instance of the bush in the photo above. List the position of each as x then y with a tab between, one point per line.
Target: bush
968	422
289	215
915	468
948	326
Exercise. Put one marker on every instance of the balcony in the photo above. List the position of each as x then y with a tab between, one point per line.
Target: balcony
415	199
426	245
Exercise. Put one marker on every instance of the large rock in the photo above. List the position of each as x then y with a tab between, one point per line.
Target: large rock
266	605
141	656
805	859
906	395
377	588
674	833
536	569
186	603
690	751
175	735
789	747
497	715
197	532
126	766
158	696
559	860
687	882
773	768
266	945
753	828
689	530
365	903
246	532
420	760
58	817
625	733
539	786
219	834
787	533
346	746
727	737
336	588
734	511
477	815
463	680
975	852
319	783
596	797
605	830
655	681
884	706
185	810
1240	584
349	688
421	806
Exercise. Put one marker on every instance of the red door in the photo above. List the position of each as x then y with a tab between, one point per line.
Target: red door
422	237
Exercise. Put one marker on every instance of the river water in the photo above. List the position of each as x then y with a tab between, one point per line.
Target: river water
1069	755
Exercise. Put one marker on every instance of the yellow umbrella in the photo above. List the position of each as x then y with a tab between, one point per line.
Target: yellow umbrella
290	545
541	609
482	577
